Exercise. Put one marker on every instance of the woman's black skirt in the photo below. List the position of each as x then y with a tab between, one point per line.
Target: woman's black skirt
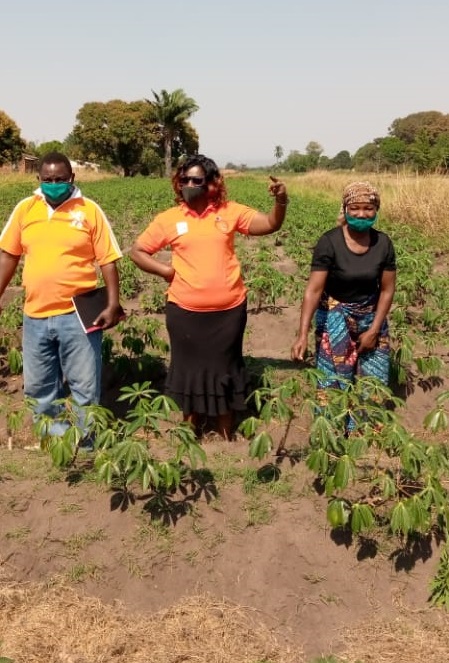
207	374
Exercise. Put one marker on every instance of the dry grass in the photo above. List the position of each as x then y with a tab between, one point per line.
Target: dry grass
81	175
420	200
412	638
56	625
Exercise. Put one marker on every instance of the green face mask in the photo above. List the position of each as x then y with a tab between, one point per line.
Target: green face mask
56	192
360	225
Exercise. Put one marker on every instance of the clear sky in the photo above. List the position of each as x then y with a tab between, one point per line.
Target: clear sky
263	72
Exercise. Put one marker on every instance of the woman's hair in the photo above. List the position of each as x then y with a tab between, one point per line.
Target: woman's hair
214	180
357	192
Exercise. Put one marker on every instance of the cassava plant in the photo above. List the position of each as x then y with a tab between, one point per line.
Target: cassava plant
377	475
136	347
15	412
10	343
266	284
439	584
273	405
123	445
408	366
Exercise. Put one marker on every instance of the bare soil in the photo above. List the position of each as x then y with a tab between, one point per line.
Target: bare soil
264	547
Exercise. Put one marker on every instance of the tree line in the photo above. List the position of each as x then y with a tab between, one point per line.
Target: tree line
149	136
418	142
145	136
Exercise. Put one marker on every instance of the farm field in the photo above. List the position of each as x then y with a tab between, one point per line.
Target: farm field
251	556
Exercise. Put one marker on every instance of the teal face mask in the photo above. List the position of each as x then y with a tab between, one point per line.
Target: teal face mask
360	225
56	192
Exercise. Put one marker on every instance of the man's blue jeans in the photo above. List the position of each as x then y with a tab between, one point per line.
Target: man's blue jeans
57	349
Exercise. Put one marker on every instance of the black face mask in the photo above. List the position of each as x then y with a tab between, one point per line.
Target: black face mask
193	193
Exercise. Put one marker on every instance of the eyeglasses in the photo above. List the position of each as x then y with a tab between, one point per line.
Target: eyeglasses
197	181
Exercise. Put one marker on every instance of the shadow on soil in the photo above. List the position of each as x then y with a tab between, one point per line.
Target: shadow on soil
404	558
165	506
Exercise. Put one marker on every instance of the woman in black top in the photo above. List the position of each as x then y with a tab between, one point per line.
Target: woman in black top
351	288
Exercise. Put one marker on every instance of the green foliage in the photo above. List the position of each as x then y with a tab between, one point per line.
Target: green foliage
407	367
137	350
115	133
341	161
271	403
338	512
11	143
131	278
15	361
437	419
313	150
123	445
367	158
379	476
355	469
49	146
154	301
382	476
362	517
266	284
10	342
393	152
408	128
170	112
297	162
15	413
439	585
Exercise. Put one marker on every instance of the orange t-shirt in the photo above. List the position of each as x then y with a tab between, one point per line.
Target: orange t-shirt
207	271
60	248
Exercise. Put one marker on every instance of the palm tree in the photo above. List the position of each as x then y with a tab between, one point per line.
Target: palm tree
171	110
278	153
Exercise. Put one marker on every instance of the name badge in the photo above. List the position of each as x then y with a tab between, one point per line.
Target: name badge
182	227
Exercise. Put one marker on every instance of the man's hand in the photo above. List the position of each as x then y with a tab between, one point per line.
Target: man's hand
109	317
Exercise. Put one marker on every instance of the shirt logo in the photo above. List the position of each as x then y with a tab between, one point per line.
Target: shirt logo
77	219
221	224
182	227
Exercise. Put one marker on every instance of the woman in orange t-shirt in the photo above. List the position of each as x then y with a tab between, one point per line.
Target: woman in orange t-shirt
206	297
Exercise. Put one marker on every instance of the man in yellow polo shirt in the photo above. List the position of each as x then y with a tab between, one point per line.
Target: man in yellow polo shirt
62	236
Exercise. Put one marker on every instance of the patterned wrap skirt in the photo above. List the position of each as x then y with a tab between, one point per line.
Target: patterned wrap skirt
338	327
207	373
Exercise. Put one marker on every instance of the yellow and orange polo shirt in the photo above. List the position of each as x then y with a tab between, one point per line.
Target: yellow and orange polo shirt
60	249
207	271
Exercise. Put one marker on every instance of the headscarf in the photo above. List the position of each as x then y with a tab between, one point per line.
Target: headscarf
357	192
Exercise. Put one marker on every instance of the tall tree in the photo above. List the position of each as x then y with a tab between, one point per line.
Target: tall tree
421	152
49	146
297	162
342	160
440	153
313	151
11	143
367	157
171	110
115	133
393	152
410	127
